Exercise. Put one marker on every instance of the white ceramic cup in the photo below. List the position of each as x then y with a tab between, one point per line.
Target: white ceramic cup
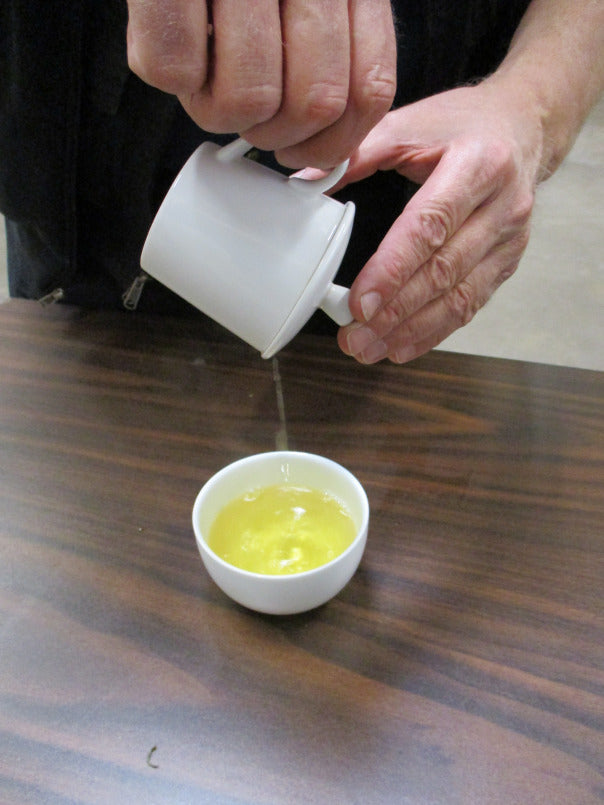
281	594
253	249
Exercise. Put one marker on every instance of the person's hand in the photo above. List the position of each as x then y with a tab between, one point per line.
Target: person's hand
476	153
307	79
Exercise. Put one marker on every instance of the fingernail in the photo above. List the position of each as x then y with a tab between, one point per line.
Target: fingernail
371	302
359	339
305	173
374	352
405	354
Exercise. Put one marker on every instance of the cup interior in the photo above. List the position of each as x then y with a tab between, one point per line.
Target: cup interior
278	467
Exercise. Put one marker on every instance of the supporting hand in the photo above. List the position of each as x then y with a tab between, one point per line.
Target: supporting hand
463	232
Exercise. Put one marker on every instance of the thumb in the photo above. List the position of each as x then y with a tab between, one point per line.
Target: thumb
372	155
390	145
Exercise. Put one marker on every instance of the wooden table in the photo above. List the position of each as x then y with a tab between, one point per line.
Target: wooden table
462	664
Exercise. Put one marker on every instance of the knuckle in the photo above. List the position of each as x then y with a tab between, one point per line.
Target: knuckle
506	272
443	271
462	304
391	273
397	311
515	237
171	76
260	102
521	241
513	253
378	89
242	108
325	103
435	226
522	209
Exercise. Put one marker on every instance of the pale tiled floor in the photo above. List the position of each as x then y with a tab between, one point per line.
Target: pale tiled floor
552	309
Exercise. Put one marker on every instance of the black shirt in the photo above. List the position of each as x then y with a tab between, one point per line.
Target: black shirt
87	150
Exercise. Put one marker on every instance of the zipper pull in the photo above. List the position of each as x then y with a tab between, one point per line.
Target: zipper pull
132	295
52	297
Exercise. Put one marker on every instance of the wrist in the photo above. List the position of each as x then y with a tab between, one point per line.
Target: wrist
553	118
520	112
555	71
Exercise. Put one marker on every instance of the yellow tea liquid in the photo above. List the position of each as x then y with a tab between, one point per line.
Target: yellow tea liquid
281	529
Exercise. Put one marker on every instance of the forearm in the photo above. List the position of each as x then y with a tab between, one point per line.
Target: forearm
556	64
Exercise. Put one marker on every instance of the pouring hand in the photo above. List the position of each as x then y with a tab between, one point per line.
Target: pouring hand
306	79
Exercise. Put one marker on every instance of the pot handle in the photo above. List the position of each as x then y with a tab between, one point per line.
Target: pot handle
335	304
239	148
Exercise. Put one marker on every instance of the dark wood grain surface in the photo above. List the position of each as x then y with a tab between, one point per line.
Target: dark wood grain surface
464	662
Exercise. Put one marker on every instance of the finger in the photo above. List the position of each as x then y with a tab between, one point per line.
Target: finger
245	82
390	145
372	85
442	316
380	150
168	51
458	185
316	41
489	227
454	310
